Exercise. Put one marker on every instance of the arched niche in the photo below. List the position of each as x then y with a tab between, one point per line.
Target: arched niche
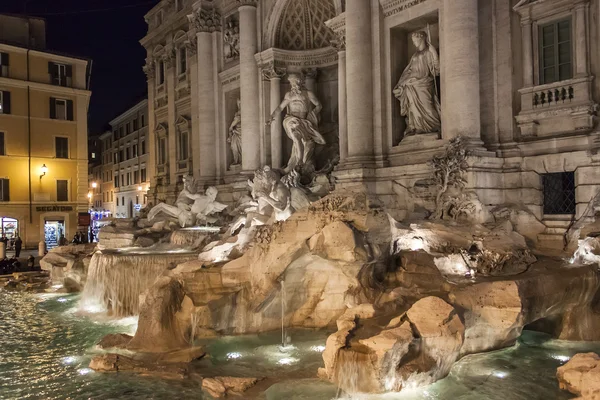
306	18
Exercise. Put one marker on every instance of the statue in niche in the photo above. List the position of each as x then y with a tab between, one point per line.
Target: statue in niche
300	123
416	90
235	136
231	39
191	208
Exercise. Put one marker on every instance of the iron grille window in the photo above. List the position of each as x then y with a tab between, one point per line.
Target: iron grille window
559	193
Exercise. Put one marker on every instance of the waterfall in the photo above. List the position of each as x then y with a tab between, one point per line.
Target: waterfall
116	280
194	319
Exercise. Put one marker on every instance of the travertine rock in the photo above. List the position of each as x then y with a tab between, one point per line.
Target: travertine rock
581	375
222	386
119	340
68	265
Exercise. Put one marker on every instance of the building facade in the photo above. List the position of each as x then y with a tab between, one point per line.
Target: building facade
44	101
396	81
128	150
107	180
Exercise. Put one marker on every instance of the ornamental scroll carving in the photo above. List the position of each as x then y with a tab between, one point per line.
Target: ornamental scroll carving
149	70
270	71
203	20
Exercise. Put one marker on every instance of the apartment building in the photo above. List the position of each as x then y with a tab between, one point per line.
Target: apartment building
44	99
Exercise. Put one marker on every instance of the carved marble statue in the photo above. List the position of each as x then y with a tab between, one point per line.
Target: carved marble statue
190	208
231	40
274	198
235	136
416	89
300	123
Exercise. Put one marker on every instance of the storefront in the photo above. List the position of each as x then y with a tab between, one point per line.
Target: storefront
9	227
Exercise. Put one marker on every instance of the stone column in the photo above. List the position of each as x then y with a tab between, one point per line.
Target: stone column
580	41
149	70
526	29
274	76
340	45
249	86
359	82
205	22
192	50
461	104
170	79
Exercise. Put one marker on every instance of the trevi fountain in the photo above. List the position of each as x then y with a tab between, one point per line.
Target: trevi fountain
424	271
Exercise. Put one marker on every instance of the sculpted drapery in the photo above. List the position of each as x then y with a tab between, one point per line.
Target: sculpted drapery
416	89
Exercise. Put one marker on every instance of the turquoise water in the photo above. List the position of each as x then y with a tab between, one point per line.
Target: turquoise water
45	348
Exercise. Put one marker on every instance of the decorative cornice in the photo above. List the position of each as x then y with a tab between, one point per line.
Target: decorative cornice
392	7
149	70
249	3
192	43
319	58
269	71
205	20
339	41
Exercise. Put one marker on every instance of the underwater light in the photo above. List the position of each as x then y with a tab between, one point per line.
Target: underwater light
233	356
500	374
69	360
287	361
318	349
84	371
57	286
62	300
561	358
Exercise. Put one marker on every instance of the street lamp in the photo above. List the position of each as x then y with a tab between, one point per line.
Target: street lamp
44	169
89	196
140	188
94	185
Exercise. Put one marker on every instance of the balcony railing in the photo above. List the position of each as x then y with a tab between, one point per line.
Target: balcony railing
557	96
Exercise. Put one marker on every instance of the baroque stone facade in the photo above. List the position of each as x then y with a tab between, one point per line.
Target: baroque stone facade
514	79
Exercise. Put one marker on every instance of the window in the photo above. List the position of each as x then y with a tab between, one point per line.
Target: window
93	155
143	174
137	199
116	157
127	128
4	189
117	201
4	102
128	178
4	65
111	195
143	147
115	135
116	181
122	179
60	74
136	177
182	66
182	146
134	150
62	190
135	124
121	155
161	73
61	145
122	200
2	145
127	154
61	109
555	51
559	193
143	122
120	132
162	151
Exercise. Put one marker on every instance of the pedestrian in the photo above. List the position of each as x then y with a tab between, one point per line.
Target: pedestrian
91	236
18	246
75	238
31	263
5	241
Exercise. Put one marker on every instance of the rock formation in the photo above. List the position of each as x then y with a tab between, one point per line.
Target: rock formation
68	265
581	376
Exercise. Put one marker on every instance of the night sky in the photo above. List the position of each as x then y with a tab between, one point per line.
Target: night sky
108	32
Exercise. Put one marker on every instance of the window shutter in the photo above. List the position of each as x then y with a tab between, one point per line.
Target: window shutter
4	59
6	102
70	110
69	71
5	190
52	108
